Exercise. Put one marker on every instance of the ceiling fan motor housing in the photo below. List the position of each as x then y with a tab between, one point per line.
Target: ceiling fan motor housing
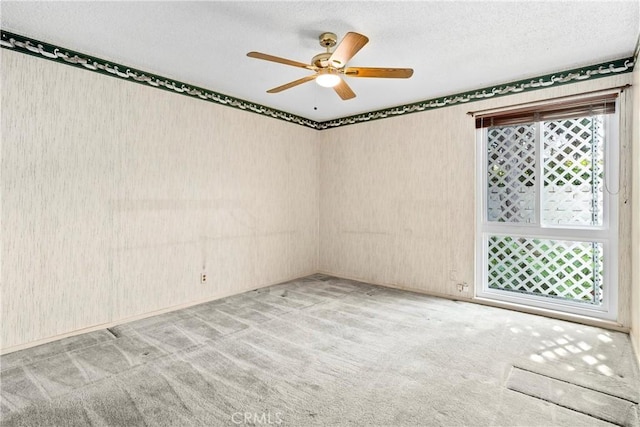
321	60
329	66
328	40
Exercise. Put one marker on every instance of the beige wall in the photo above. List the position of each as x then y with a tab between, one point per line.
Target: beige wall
635	198
397	197
116	196
397	200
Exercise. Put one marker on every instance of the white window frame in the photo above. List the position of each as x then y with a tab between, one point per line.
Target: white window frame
607	234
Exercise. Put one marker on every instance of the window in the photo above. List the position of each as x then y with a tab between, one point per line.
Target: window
548	206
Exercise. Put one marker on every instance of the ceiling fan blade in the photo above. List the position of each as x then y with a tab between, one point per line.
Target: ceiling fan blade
347	49
259	55
292	84
344	91
388	73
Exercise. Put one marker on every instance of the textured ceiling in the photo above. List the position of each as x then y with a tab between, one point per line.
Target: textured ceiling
452	46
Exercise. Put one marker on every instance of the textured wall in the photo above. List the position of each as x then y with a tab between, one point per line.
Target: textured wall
635	198
397	197
116	196
397	200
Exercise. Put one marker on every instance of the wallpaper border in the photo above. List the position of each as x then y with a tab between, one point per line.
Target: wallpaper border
575	75
62	55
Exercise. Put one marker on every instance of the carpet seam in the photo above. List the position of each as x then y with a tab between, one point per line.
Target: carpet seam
37	360
577	385
565	407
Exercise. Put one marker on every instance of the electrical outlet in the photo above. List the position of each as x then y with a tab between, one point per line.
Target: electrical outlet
462	287
453	275
203	277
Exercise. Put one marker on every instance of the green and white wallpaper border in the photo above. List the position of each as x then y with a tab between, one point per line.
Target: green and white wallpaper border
59	54
572	76
51	52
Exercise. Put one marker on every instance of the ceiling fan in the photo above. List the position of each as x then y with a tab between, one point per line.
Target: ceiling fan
330	66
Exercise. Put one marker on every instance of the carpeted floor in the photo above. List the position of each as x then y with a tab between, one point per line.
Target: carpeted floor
327	351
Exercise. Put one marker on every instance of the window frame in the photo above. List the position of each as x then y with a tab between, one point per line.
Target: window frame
606	234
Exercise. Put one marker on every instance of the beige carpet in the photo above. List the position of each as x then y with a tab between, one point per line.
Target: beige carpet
327	351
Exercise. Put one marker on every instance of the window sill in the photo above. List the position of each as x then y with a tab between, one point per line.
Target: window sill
576	318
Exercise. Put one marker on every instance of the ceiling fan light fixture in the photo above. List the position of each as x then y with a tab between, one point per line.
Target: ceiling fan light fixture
329	66
327	78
